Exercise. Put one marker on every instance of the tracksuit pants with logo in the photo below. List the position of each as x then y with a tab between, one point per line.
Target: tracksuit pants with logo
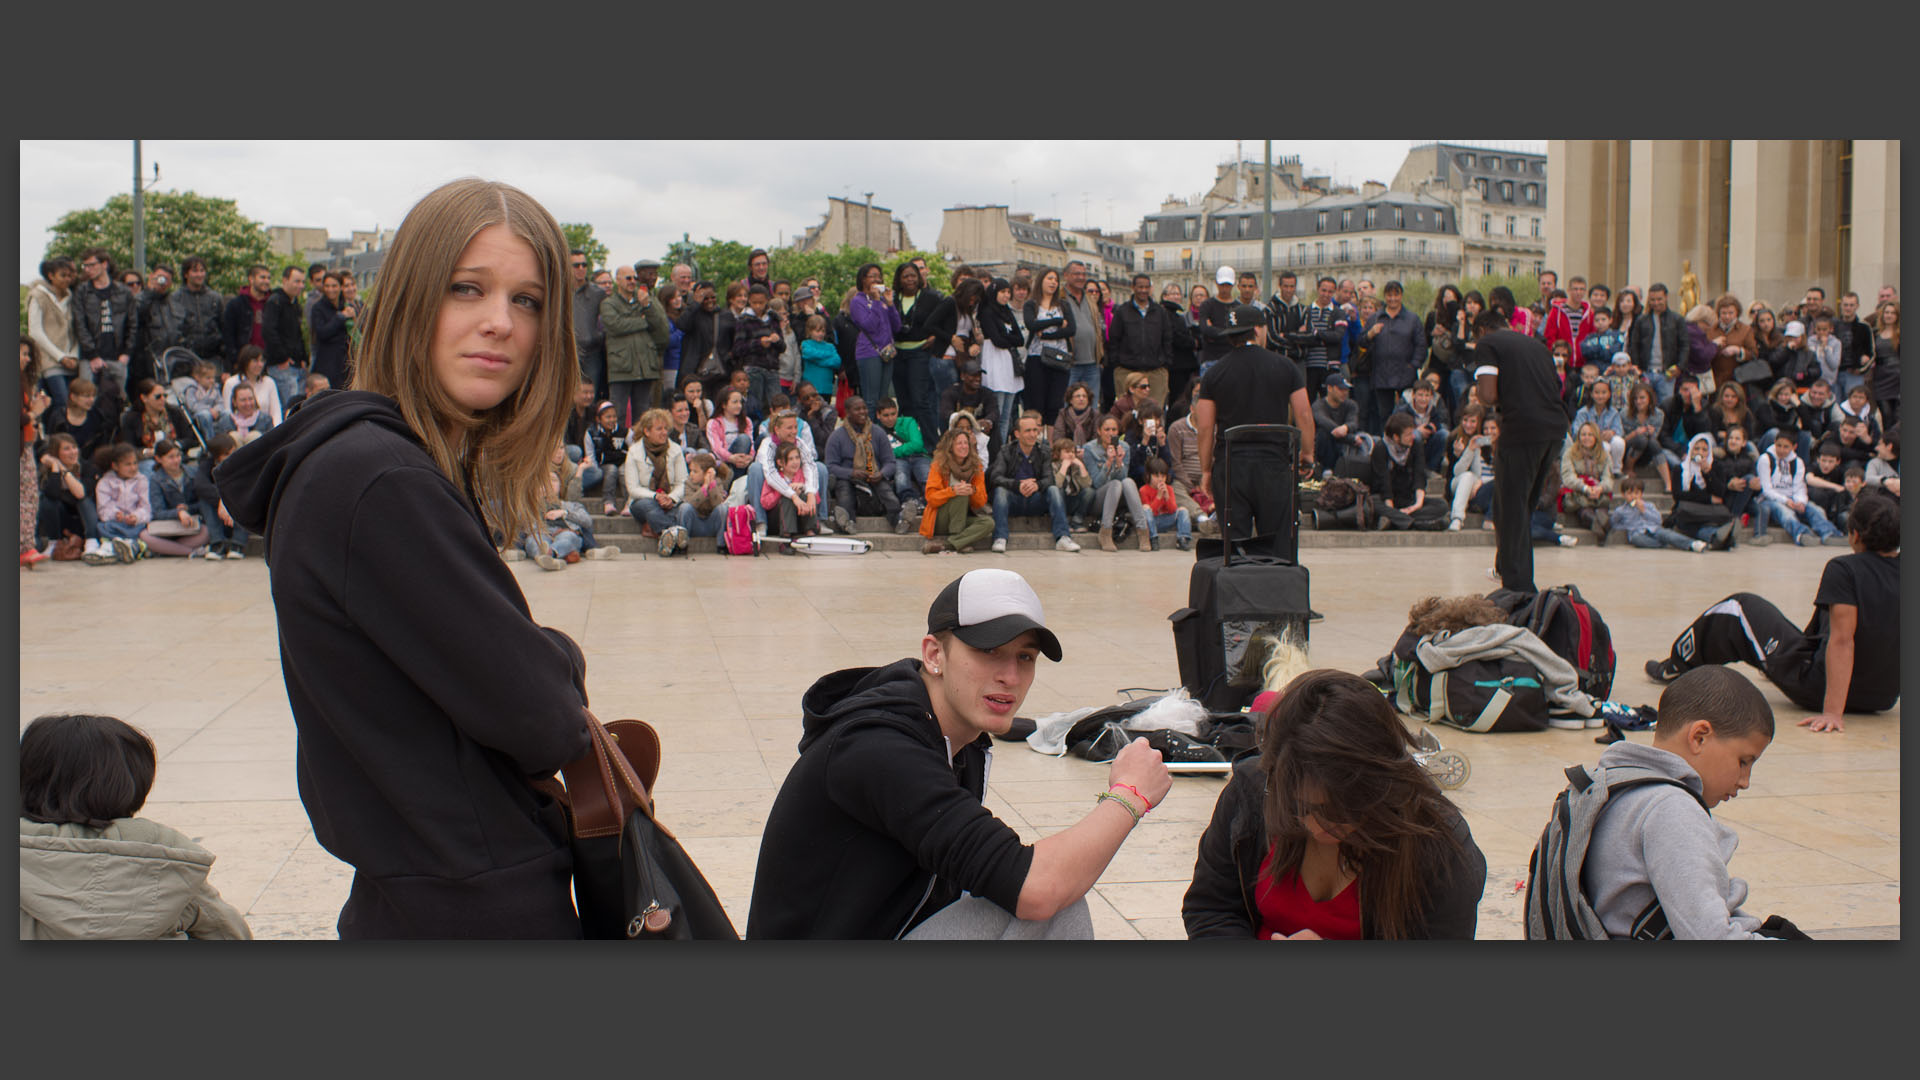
1746	627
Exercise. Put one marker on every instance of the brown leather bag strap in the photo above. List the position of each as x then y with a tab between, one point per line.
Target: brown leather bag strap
602	786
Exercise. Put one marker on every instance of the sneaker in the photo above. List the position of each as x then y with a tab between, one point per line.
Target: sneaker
842	520
548	562
141	550
1065	543
1836	540
1454	525
1698	546
236	553
1566	541
1596	721
1660	672
1000	546
1760	540
1801	539
513	555
200	552
1184	543
1722	538
603	552
123	550
1567	723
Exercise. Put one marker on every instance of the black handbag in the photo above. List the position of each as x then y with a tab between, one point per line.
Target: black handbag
631	878
1753	371
1055	357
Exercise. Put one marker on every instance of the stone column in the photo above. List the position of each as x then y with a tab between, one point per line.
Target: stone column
1677	213
1587	209
1782	209
1876	218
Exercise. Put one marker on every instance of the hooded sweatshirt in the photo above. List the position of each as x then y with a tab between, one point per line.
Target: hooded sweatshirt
426	697
132	880
1558	680
1657	841
875	829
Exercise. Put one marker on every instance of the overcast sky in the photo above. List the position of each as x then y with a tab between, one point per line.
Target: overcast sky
641	196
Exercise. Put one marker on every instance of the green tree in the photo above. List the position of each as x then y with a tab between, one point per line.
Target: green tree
719	261
580	238
178	224
1525	287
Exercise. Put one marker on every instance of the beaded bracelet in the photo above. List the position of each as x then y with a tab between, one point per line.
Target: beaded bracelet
1144	801
1122	800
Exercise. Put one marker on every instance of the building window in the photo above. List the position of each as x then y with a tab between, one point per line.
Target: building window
1369	217
1345	254
1481	183
1300	251
1219	228
1468	160
1346	220
1533	193
1320	222
1537	267
1149	262
1506	190
1246	225
1366	249
1510	228
1518	165
1536	228
1422	248
1186	258
1399	218
1400	247
1486	267
1189	228
1151	232
1486	224
1319	253
1513	268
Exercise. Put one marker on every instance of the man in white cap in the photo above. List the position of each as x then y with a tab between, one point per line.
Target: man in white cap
879	829
1215	341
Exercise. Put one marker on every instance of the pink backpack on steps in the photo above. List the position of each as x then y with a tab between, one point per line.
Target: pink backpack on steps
736	537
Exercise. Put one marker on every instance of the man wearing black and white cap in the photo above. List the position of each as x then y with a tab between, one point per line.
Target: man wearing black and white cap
879	829
1250	385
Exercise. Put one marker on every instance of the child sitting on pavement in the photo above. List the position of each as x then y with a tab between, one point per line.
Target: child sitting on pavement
1640	523
1658	844
88	867
1162	511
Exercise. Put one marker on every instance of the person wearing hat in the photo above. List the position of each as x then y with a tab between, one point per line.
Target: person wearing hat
1214	341
970	394
880	831
1249	385
1336	426
648	271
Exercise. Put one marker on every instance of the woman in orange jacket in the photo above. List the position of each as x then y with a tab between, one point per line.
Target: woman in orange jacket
956	516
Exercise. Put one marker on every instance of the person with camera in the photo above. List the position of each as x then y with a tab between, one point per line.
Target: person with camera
890	781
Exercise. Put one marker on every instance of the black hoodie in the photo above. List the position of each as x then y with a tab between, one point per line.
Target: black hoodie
874	829
425	695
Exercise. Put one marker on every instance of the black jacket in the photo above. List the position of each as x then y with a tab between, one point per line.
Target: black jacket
1140	342
1183	358
329	342
699	333
200	322
133	430
1674	341
86	320
1220	902
915	326
589	337
1284	319
425	695
1001	473
236	327
156	328
874	829
281	330
1002	327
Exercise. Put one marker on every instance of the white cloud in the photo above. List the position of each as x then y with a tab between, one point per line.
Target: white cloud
641	196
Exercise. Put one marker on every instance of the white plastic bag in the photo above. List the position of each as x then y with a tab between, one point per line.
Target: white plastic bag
1050	732
1174	712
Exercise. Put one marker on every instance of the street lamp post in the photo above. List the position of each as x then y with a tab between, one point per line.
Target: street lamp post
1266	223
139	217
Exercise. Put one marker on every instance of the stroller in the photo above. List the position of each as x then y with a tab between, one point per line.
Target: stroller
1449	768
177	364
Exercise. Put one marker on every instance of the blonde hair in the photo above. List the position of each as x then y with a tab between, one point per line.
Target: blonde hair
1286	658
500	456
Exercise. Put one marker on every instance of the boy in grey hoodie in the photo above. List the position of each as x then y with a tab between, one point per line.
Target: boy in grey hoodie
1658	841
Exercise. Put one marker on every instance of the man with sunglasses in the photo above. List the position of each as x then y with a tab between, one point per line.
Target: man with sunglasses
589	337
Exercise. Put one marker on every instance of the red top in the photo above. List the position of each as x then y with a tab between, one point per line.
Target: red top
1156	502
1286	909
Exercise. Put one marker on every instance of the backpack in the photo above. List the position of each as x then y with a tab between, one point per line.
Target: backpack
1338	493
736	536
1571	627
1479	695
1556	908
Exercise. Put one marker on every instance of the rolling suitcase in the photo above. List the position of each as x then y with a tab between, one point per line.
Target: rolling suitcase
1244	593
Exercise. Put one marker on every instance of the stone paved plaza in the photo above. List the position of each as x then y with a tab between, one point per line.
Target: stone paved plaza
715	652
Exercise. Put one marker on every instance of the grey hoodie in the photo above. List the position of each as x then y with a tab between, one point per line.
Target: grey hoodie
1654	840
135	879
1561	684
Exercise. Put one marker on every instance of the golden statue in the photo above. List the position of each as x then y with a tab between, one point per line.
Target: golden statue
1689	286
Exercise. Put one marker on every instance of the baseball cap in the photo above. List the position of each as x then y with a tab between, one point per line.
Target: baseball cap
1224	276
803	293
987	608
1623	357
970	367
1242	318
1339	380
1796	329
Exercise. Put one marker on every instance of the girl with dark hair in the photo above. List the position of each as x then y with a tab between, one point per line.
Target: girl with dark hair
918	347
1002	356
957	337
1443	343
876	323
1334	831
88	867
1049	324
152	420
1626	308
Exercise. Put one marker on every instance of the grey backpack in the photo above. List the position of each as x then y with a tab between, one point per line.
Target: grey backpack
1557	910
